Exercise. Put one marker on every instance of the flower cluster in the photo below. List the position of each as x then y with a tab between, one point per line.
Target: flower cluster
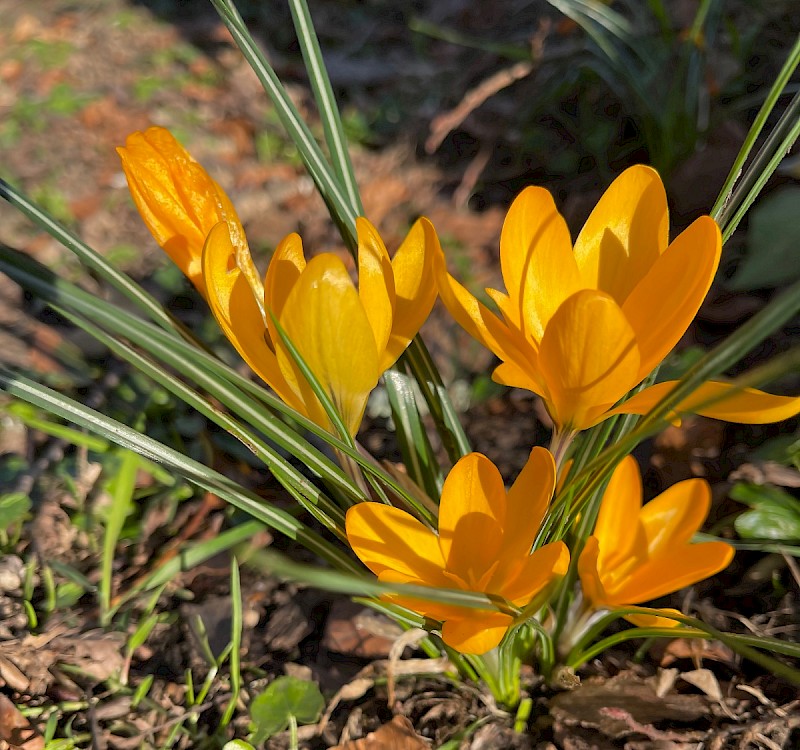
580	325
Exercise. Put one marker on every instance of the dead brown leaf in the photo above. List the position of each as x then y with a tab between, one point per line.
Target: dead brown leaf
16	732
398	734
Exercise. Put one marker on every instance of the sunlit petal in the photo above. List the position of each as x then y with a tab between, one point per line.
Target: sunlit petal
664	303
285	267
625	234
537	262
324	319
476	634
675	515
415	287
389	539
588	357
654	621
536	571
232	302
375	282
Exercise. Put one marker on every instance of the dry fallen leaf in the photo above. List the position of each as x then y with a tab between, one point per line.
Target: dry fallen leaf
16	732
398	734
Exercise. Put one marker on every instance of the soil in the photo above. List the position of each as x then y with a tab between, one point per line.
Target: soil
75	79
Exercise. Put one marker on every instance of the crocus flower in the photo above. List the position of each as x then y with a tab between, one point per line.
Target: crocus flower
483	544
582	326
348	337
638	553
175	196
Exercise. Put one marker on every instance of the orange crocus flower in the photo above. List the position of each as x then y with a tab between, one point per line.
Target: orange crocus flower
483	544
638	553
348	337
581	326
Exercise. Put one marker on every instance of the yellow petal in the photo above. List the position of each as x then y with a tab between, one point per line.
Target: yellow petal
375	283
588	570
389	539
588	357
682	567
232	302
476	633
537	262
625	234
654	621
537	570
176	198
671	519
324	319
471	518
744	405
665	301
527	502
618	531
477	320
415	287
285	267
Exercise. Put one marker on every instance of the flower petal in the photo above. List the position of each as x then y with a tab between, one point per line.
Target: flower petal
537	262
672	519
654	621
175	196
476	633
415	287
471	518
386	538
537	570
744	405
625	234
682	567
325	321
588	570
375	283
285	267
665	301
588	357
527	502
618	531
231	300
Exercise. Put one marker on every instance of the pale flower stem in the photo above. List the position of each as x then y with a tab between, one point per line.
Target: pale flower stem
559	445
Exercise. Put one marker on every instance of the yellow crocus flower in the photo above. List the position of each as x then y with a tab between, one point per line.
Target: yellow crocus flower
348	337
583	326
639	553
483	544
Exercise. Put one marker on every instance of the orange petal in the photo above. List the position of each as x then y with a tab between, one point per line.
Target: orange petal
682	567
537	570
527	502
471	518
744	405
537	262
483	325
625	234
285	267
415	287
588	570
375	283
389	539
325	321
654	621
588	357
232	302
672	519
618	531
477	632
665	301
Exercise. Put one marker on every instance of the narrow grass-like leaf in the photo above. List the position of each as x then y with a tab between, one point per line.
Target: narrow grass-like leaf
120	491
326	102
191	470
30	418
721	206
236	643
415	447
309	149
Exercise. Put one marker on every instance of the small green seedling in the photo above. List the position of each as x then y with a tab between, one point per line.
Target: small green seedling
774	514
287	702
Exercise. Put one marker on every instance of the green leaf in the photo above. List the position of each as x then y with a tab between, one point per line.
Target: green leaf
775	514
773	237
271	711
758	495
237	745
14	506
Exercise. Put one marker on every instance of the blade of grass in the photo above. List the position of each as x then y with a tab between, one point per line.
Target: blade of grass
236	643
326	102
120	490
